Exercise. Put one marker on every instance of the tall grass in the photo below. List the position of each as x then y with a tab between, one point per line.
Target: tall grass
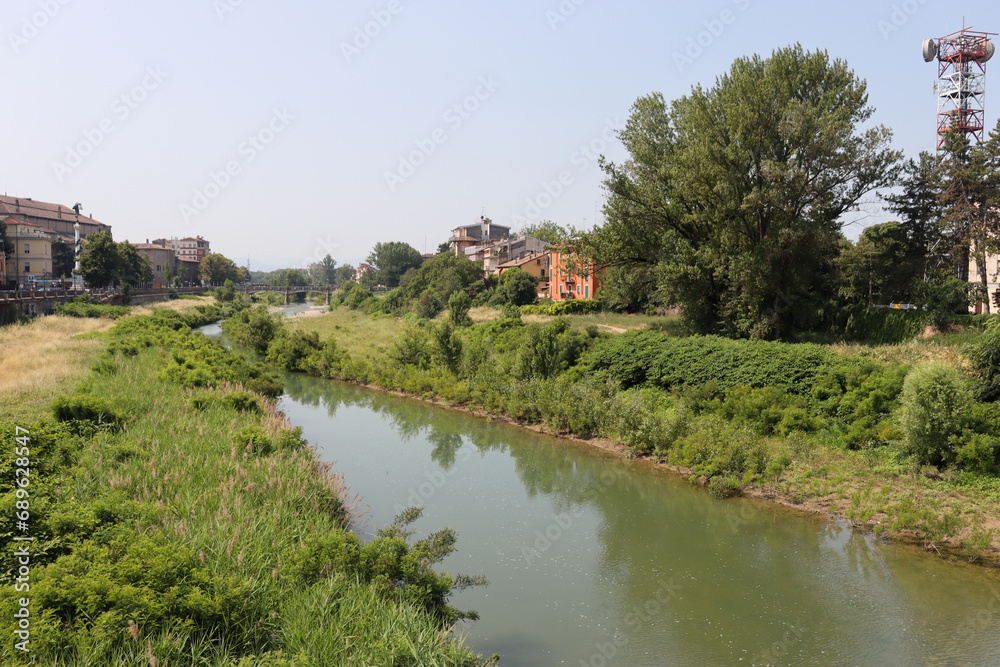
202	532
39	359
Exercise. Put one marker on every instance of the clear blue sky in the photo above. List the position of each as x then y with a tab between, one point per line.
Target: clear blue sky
276	129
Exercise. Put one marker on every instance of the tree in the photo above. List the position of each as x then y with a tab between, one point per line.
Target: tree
100	263
343	274
216	269
734	193
392	260
324	271
516	287
133	269
881	267
970	198
289	278
63	260
458	309
920	213
550	232
242	274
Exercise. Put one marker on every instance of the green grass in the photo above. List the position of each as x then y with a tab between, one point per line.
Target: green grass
362	336
183	514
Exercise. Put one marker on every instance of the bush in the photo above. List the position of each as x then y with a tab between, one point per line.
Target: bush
458	309
653	359
254	328
935	403
411	348
984	354
82	408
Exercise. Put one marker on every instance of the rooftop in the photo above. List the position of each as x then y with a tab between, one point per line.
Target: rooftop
37	209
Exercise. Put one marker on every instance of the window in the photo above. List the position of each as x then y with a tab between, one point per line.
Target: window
27	249
27	267
586	291
577	289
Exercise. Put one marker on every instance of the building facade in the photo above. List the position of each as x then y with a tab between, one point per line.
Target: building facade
193	248
162	261
29	255
536	264
482	233
56	219
570	278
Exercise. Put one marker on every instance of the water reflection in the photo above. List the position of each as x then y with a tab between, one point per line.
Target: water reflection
598	561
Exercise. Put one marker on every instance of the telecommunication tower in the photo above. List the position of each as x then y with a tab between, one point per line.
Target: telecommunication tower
961	84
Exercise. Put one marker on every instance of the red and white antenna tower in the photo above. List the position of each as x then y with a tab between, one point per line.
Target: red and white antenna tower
961	84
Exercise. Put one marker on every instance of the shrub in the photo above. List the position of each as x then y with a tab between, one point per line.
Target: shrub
411	348
293	350
984	354
241	401
254	328
448	346
725	487
82	408
653	359
458	309
934	404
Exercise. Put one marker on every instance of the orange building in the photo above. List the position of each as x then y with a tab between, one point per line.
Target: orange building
536	264
569	278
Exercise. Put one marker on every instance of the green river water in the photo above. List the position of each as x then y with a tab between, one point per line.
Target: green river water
594	560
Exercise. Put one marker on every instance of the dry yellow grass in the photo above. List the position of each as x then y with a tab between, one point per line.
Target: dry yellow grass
42	359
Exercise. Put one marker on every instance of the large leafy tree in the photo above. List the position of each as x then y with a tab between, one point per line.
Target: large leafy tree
105	263
133	269
917	204
289	278
63	260
735	193
550	232
392	260
881	267
100	263
216	269
323	272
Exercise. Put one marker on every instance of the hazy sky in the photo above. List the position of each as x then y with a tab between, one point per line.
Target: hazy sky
286	130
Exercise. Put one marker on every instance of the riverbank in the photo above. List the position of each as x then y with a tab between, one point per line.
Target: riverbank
195	525
807	467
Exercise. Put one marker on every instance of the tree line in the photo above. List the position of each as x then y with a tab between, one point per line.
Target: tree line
732	203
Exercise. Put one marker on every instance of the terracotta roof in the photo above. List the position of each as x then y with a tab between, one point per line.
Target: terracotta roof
38	209
188	259
150	246
524	260
464	239
12	221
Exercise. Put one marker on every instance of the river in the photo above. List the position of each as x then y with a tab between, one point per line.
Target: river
593	560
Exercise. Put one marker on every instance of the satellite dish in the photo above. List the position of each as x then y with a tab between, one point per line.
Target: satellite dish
990	49
930	50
